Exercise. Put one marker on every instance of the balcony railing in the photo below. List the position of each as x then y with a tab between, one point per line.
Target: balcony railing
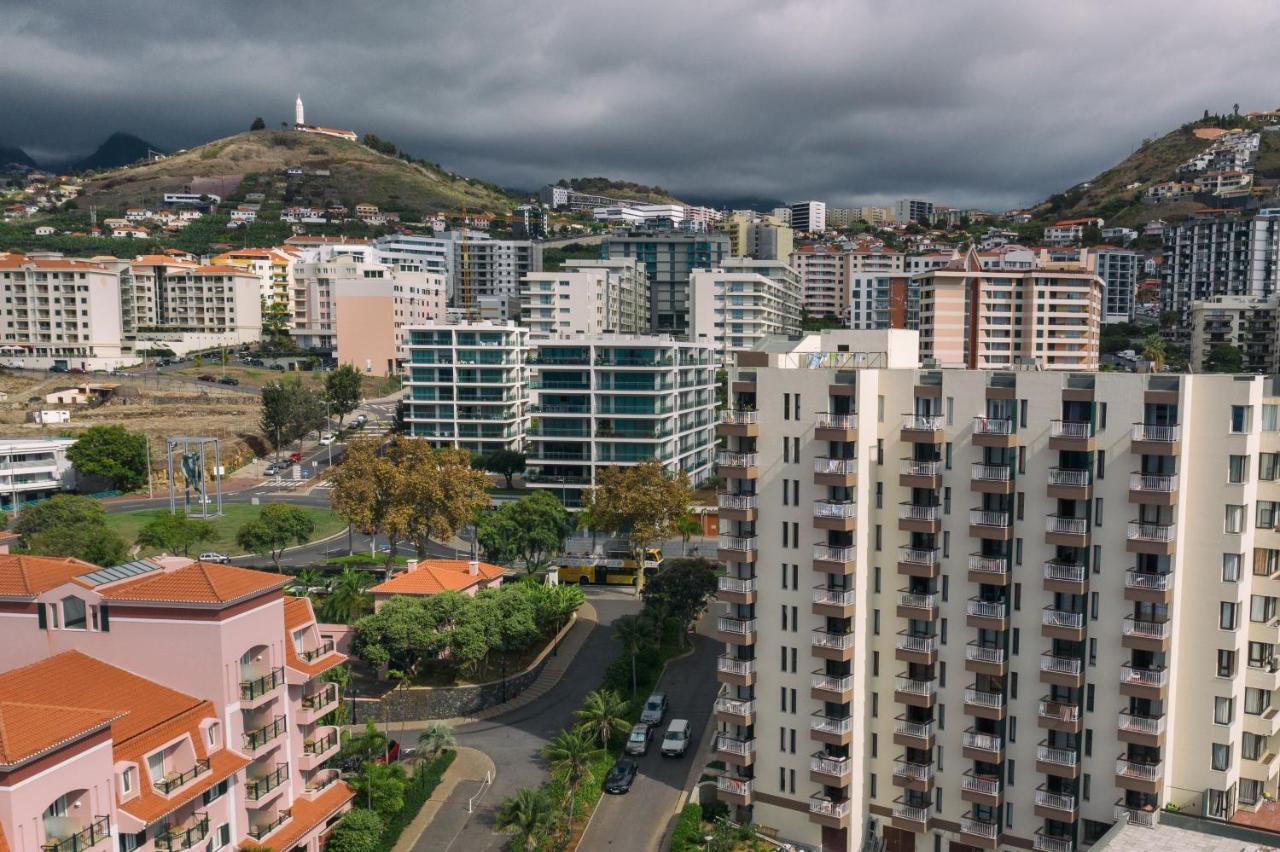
1150	725
912	467
739	417
325	648
986	609
1155	433
1051	617
833	597
736	626
915	771
256	788
913	686
173	838
834	641
912	512
88	837
1065	572
983	742
734	786
1057	801
1135	676
737	459
992	426
1136	816
736	585
738	502
733	745
321	745
322	697
1141	531
838	725
984	654
990	472
1145	629
259	737
734	666
259	686
830	765
983	698
918	730
257	832
918	555
1139	771
834	509
912	600
832	683
1066	526
1161	483
1059	711
917	644
734	542
979	828
827	420
735	706
996	565
829	807
170	783
1061	665
1148	581
1070	429
912	813
986	784
840	467
1048	843
922	422
1071	477
988	518
834	553
1058	756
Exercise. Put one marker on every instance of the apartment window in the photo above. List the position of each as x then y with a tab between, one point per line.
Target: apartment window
879	415
795	534
875	622
1231	567
1097	559
786	538
786	407
784	627
1102	464
1224	710
1267	466
1271	418
875	664
1221	760
1261	654
1234	519
1250	791
1241	417
127	780
875	746
1266	561
871	782
1228	615
879	495
1256	701
1102	416
1252	747
795	491
879	542
1262	609
1266	514
875	575
1227	665
1237	469
879	451
793	661
786	451
783	649
1097	511
782	779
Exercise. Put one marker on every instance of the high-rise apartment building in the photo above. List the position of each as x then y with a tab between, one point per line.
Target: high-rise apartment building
764	238
907	210
742	301
1245	323
1089	636
880	294
824	279
1119	270
809	216
992	317
586	297
1220	253
467	386
668	257
490	270
616	400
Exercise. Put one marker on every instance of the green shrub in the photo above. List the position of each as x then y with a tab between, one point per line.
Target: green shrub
426	777
687	836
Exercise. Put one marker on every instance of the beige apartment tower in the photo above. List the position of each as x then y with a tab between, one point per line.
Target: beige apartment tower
993	609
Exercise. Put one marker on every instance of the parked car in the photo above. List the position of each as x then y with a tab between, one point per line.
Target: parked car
638	740
206	377
655	709
271	470
214	556
391	755
228	380
676	740
279	367
296	458
57	368
620	777
77	370
326	438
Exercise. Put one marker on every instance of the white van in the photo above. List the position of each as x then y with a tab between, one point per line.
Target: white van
676	740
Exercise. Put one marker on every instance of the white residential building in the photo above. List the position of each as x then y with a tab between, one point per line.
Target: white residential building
823	272
1119	270
907	210
741	301
809	216
586	297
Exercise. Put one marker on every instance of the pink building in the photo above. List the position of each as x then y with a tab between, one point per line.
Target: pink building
433	576
162	702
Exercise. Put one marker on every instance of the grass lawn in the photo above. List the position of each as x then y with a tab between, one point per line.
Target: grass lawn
234	516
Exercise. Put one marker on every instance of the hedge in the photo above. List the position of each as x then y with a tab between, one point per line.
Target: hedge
426	777
687	836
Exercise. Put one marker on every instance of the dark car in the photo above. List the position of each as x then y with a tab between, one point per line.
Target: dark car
206	377
279	367
620	777
57	368
75	370
228	380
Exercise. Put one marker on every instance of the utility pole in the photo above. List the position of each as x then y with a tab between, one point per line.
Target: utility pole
147	444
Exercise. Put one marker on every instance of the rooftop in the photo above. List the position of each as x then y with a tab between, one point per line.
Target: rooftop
433	576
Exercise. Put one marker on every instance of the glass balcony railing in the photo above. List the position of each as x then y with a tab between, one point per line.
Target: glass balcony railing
86	838
261	830
172	782
173	838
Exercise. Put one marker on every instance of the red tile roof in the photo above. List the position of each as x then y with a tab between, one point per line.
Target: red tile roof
306	815
196	583
433	576
27	576
298	613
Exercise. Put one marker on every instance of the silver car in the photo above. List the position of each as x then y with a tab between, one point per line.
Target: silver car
638	740
655	709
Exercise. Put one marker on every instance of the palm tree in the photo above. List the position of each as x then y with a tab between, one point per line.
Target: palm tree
1153	350
602	714
635	635
523	815
687	525
435	738
348	596
571	754
309	578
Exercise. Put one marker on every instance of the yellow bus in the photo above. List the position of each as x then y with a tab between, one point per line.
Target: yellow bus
615	568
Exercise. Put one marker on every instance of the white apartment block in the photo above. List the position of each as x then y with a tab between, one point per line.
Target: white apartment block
467	385
809	216
616	400
1220	254
1090	635
1119	270
63	312
907	210
34	469
823	278
1247	323
192	306
989	318
1070	231
586	297
742	301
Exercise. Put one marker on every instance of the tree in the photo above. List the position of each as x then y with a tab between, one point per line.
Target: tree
290	411
1224	358
348	597
365	485
643	501
571	754
437	492
175	533
603	714
382	787
310	578
506	462
635	636
524	815
687	525
68	525
113	453
258	124
532	528
435	738
277	526
342	391
359	830
1154	350
682	589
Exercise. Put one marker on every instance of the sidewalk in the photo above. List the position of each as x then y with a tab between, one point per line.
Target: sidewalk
469	765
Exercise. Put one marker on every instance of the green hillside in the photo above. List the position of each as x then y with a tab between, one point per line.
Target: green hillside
257	162
621	189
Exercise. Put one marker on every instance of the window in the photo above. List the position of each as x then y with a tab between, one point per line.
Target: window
1266	514
73	613
155	766
1256	701
1267	463
1221	760
127	780
1241	417
1237	469
1271	418
1228	616
1235	519
1231	567
1224	711
1262	609
1227	665
1252	746
1250	791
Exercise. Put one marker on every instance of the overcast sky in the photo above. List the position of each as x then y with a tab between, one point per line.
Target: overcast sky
988	104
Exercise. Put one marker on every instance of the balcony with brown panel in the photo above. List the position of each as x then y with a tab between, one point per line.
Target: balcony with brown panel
993	524
1153	439
1151	682
830	770
737	507
1153	489
920	518
981	789
736	590
922	428
919	561
983	746
1061	670
986	659
920	473
1066	531
1156	538
917	735
1066	577
922	606
832	426
987	614
1144	730
735	711
833	603
1062	624
736	465
832	645
913	774
1139	775
1056	714
915	691
735	671
1056	761
829	812
842	472
1146	634
1072	436
841	515
739	423
994	432
910	815
1049	804
916	648
991	478
734	790
1148	586
735	751
980	833
736	631
737	548
985	702
833	688
832	730
989	570
835	559
1066	483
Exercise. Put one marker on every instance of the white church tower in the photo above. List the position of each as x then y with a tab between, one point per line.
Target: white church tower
298	118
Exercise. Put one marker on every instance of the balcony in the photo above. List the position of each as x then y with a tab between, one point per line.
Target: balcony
993	432
991	478
736	671
739	752
737	507
918	561
837	603
991	570
740	710
257	788
912	775
1143	682
1141	730
835	515
831	769
1062	624
835	471
319	782
919	606
259	737
914	818
1153	489
254	690
920	474
174	837
917	649
1155	439
739	423
317	704
1069	483
1148	587
913	734
171	782
906	688
1059	806
988	747
1135	816
836	427
1057	761
985	786
262	829
987	610
738	465
1060	529
834	813
734	790
834	559
923	519
735	548
1146	635
985	704
838	689
319	748
833	730
1142	777
985	659
1061	671
1153	538
736	631
737	590
988	523
832	646
80	840
1071	435
986	833
325	648
1048	843
924	426
1059	715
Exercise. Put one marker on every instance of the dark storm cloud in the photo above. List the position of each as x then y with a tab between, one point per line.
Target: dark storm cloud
969	103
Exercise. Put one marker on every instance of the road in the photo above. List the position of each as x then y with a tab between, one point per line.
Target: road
639	819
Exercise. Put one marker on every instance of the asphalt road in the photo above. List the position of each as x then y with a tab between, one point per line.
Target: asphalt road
638	819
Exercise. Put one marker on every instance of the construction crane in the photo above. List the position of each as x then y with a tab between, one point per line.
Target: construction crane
464	274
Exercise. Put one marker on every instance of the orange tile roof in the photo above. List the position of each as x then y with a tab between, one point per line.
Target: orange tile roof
298	613
433	576
197	583
27	576
306	814
28	730
17	261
